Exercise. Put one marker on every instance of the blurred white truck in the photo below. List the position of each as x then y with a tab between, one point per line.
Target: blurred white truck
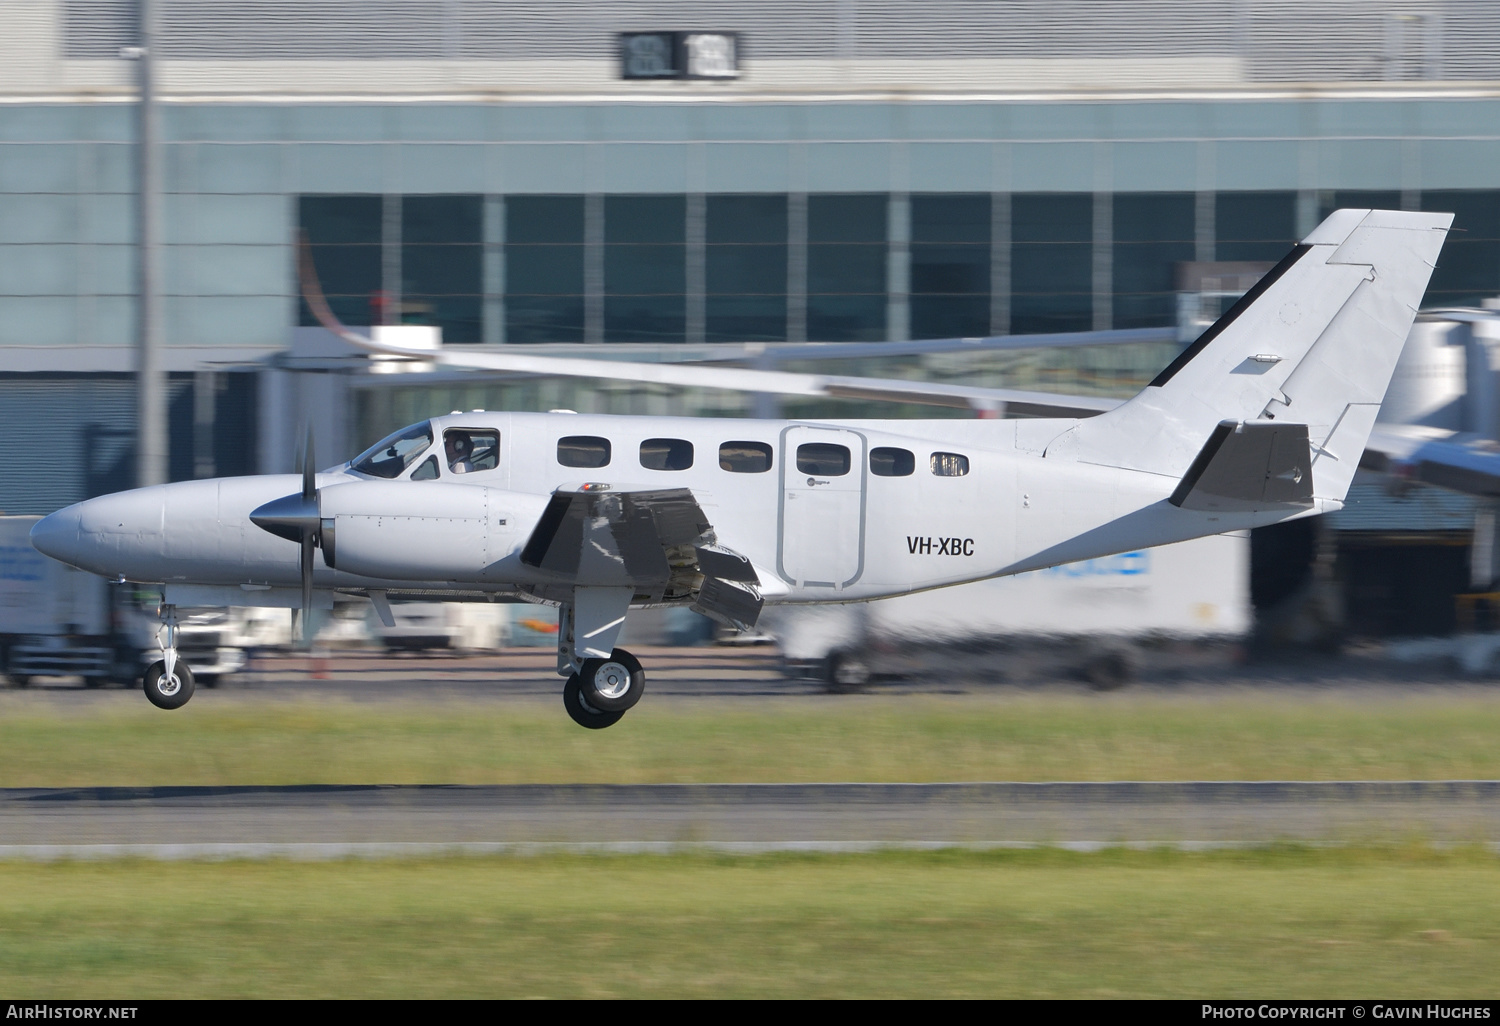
1097	619
56	621
448	626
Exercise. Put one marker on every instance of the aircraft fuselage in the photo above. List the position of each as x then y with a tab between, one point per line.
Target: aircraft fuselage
825	510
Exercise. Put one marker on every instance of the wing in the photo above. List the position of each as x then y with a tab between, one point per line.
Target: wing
1433	456
995	402
655	540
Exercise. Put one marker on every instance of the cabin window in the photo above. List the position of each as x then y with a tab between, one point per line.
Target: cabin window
428	471
888	461
469	450
823	458
583	451
949	464
666	454
390	456
745	457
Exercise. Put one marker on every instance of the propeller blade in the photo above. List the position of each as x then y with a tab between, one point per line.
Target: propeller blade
307	585
296	516
309	475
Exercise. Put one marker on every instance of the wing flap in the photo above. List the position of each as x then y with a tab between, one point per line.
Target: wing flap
656	541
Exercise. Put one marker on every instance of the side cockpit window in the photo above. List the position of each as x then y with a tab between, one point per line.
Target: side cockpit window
428	471
470	449
390	456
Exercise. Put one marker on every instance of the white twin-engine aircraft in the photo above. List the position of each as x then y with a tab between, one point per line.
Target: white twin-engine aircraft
1262	419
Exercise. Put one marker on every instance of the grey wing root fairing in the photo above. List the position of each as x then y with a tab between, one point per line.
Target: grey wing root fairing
656	541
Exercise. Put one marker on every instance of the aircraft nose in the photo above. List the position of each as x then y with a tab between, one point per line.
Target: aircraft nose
56	535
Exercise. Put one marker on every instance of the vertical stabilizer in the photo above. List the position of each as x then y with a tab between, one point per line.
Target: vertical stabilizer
1314	343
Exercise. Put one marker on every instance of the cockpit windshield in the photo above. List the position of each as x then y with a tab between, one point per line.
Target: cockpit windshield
390	456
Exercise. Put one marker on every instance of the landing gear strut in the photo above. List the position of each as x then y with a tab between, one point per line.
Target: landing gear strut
168	682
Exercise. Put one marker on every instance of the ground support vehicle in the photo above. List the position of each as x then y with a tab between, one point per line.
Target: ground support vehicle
1101	620
57	621
446	626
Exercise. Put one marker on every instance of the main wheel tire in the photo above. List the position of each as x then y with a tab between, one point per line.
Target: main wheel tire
582	713
614	684
1108	671
847	671
168	692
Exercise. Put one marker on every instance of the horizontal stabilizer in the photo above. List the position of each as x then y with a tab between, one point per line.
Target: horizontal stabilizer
1245	467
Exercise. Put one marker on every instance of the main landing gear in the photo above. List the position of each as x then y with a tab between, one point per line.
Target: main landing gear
168	682
600	689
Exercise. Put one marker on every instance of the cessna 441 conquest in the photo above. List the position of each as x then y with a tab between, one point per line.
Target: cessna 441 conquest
1262	419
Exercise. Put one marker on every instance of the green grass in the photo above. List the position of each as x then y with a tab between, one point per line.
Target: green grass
1397	922
1141	736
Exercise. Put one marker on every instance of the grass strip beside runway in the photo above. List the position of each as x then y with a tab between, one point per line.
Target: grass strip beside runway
1394	922
1285	735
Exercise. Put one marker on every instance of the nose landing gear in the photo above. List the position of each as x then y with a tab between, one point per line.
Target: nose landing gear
168	682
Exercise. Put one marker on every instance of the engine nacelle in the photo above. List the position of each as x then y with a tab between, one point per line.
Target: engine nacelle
423	531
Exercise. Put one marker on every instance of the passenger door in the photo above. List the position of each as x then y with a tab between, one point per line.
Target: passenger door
822	516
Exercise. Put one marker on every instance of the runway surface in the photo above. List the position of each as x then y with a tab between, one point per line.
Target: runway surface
339	821
750	672
334	821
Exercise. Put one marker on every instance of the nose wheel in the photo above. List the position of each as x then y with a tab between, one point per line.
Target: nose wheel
168	690
168	682
602	690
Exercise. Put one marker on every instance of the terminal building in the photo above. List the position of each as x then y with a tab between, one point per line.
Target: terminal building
678	180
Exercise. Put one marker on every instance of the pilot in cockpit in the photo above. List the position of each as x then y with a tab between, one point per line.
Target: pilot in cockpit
460	448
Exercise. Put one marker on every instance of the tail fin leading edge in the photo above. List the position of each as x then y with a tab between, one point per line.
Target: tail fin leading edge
1314	343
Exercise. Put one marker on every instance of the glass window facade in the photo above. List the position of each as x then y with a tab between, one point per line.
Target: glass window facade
645	268
1154	232
846	268
745	268
1337	199
1254	225
1468	268
741	264
345	234
442	257
544	294
950	266
1051	277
